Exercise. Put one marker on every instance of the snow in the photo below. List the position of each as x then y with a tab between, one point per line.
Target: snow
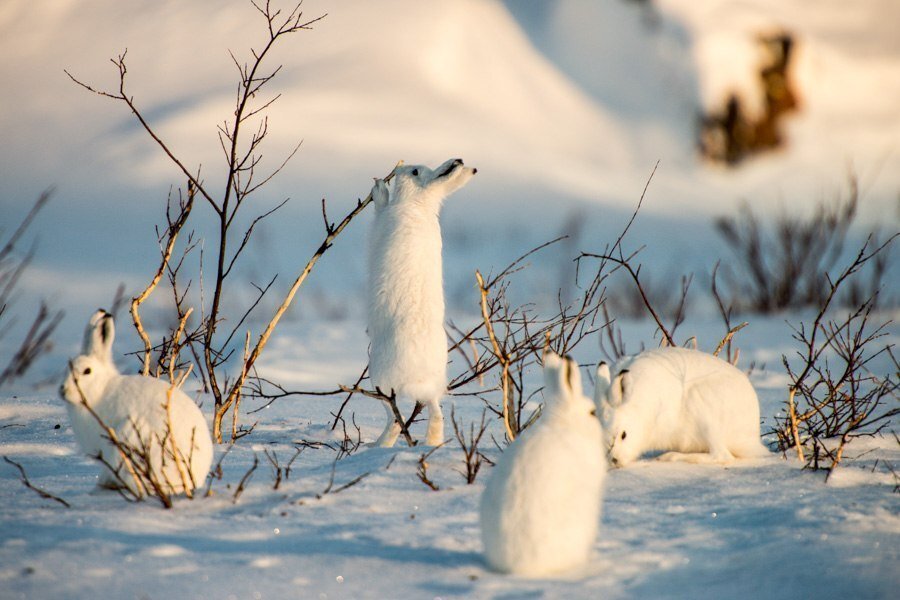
760	528
564	106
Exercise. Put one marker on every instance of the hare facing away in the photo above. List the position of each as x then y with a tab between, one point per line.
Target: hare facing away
408	351
540	509
163	429
690	404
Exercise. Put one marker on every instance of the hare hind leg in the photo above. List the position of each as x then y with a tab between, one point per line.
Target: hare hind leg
435	435
719	458
388	437
718	454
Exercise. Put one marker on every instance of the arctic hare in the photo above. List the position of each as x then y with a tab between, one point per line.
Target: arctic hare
408	352
541	506
134	407
697	407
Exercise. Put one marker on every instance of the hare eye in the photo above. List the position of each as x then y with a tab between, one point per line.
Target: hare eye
415	172
623	435
87	371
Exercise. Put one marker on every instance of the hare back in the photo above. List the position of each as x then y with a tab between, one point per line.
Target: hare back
541	507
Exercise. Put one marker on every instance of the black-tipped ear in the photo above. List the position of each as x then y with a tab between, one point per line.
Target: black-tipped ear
572	376
100	335
571	372
624	382
619	387
106	330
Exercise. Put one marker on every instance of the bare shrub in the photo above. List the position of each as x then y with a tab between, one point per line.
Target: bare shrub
787	265
834	397
212	346
732	354
422	470
280	472
624	299
644	302
473	459
36	339
512	339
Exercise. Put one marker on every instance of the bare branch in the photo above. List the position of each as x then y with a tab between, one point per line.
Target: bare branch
23	477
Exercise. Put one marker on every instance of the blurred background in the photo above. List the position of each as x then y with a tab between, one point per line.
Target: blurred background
564	106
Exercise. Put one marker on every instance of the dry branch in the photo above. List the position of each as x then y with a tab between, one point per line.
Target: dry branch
23	477
422	470
171	236
502	358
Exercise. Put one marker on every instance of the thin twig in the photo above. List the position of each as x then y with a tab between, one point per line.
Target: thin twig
23	477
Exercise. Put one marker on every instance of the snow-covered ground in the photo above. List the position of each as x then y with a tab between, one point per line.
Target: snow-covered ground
760	529
565	107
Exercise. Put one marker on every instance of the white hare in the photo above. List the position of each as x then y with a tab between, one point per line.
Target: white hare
693	405
408	351
178	445
541	505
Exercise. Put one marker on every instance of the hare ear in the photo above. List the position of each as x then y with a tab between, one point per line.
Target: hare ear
101	332
619	387
573	377
555	375
602	382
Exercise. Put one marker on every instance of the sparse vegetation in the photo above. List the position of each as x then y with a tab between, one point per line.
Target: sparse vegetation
788	264
834	395
35	341
213	348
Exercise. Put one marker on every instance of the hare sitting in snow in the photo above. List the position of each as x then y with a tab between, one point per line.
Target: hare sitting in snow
697	407
541	505
176	446
408	352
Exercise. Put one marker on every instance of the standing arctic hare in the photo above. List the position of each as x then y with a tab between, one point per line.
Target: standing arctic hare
408	351
134	407
541	506
697	407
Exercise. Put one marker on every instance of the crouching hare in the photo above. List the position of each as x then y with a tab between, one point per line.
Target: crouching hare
173	445
692	405
541	506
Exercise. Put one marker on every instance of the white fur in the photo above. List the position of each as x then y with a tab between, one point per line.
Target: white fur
408	352
134	407
691	404
541	506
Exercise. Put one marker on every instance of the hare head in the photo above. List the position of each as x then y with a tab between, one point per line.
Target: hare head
420	184
623	422
89	372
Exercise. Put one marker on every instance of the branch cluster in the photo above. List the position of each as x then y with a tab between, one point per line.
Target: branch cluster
834	396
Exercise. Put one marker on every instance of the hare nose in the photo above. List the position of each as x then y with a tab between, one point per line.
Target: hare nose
614	461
